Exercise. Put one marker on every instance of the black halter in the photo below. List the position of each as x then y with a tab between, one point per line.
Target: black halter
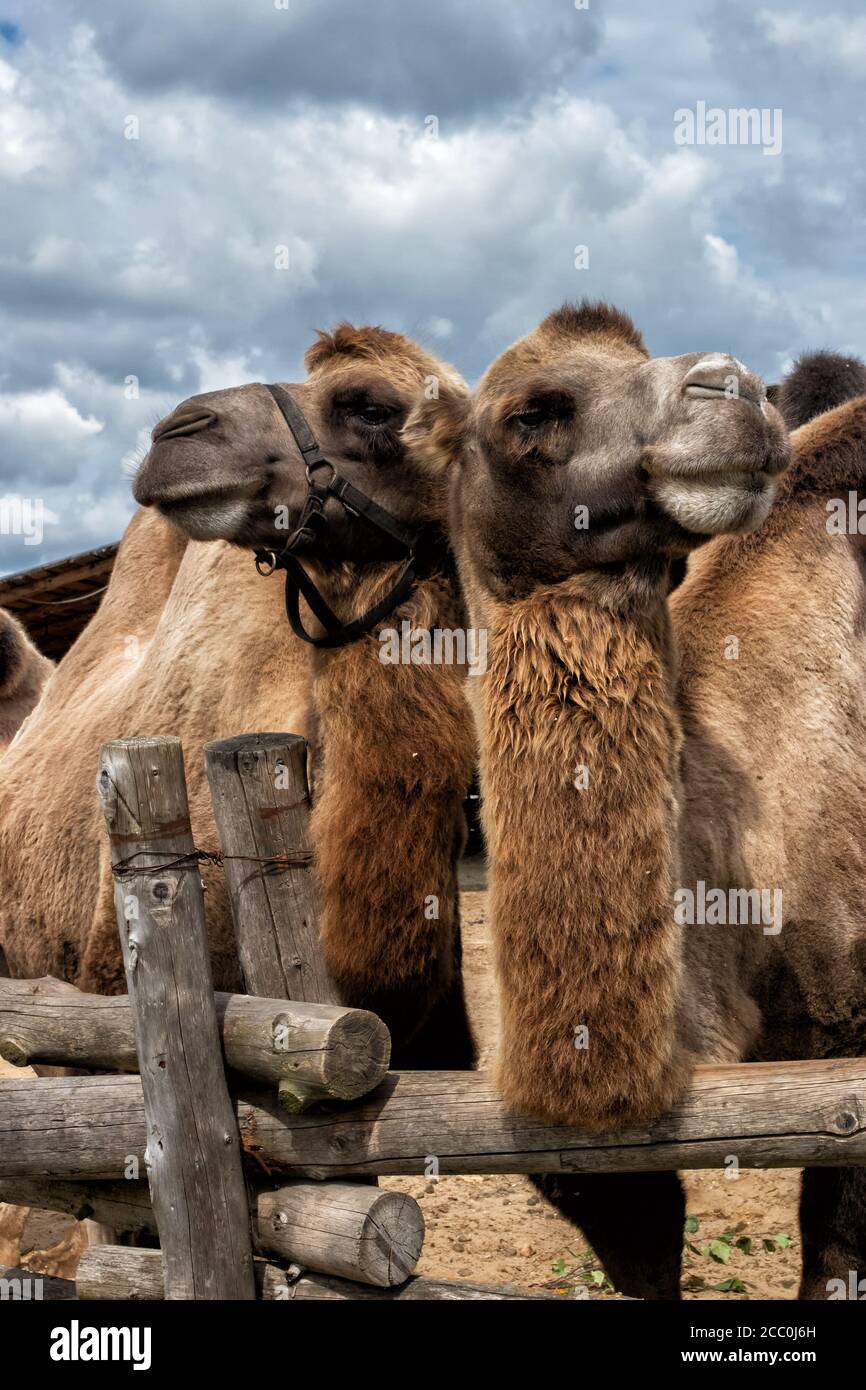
310	524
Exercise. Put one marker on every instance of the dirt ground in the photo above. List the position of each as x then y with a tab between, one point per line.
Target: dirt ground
744	1242
496	1230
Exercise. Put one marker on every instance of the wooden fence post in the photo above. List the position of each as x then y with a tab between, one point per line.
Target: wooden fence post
261	803
193	1150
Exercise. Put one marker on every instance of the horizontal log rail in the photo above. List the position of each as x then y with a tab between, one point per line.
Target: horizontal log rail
124	1206
115	1272
324	1051
765	1114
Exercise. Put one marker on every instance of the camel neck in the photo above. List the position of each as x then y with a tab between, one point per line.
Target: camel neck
395	752
580	746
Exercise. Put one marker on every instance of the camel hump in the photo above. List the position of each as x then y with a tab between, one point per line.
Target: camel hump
818	382
823	403
830	453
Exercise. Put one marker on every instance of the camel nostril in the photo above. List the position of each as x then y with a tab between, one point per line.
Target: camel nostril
720	375
183	422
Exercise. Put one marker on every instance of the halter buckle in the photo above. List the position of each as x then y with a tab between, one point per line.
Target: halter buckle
320	463
266	562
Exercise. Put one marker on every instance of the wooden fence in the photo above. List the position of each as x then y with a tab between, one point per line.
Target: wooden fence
246	1132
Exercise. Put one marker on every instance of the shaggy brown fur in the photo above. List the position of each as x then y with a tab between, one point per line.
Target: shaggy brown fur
587	320
584	939
23	674
190	640
395	768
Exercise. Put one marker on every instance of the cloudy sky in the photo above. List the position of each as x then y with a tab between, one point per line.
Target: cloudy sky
430	165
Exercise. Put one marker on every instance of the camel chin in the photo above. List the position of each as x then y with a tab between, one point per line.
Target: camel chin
208	518
736	505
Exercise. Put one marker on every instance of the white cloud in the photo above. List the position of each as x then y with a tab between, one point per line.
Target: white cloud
722	259
216	373
440	328
23	131
43	417
821	39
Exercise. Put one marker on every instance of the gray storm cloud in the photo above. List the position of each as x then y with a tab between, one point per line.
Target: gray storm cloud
430	167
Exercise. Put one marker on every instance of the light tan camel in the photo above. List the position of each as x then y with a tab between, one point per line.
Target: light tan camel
190	640
640	752
23	674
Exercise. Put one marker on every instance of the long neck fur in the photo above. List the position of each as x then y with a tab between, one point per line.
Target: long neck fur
395	755
582	879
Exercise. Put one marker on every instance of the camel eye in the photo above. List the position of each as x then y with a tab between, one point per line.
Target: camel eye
543	411
370	413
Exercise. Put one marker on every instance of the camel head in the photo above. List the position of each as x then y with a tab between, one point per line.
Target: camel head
578	451
224	465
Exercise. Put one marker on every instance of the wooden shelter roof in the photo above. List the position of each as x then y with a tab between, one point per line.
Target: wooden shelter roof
55	602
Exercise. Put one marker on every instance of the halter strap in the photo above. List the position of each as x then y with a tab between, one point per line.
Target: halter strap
339	634
310	523
297	423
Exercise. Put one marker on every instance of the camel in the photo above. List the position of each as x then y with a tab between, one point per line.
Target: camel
640	744
23	674
190	640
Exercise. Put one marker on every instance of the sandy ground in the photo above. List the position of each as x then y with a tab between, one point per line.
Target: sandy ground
497	1230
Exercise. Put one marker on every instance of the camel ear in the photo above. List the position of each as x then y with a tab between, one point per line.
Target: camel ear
435	429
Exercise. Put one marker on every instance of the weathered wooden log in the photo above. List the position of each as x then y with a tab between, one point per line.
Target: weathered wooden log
330	1052
124	1206
349	1229
319	1288
765	1114
115	1272
261	802
193	1153
19	1215
16	998
352	1230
